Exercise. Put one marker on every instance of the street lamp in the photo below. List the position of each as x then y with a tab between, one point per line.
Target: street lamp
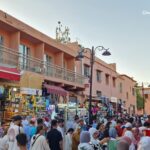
92	58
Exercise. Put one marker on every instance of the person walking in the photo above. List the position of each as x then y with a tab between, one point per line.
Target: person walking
38	141
22	141
85	141
76	139
68	139
54	137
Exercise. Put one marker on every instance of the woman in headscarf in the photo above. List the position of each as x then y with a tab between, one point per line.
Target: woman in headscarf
85	141
96	144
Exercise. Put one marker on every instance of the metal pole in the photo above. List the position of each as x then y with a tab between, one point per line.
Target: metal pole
143	98
91	82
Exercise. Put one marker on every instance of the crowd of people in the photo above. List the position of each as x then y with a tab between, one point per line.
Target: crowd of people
110	133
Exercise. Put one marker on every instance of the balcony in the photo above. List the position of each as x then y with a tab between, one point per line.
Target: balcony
11	58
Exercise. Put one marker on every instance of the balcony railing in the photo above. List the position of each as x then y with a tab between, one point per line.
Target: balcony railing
9	57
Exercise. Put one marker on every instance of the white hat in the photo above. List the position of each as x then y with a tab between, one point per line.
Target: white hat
128	125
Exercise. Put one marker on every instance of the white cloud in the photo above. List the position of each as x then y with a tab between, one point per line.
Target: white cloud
145	12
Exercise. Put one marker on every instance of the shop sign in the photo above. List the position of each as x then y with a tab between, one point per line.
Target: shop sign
30	91
113	99
146	91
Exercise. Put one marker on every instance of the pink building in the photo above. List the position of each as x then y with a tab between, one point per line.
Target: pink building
43	59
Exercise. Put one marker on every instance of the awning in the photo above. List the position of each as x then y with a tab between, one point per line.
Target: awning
9	73
55	90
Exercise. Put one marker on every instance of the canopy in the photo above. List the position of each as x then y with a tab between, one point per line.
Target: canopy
9	73
55	90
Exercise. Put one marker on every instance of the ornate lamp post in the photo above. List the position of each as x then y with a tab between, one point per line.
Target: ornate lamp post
92	58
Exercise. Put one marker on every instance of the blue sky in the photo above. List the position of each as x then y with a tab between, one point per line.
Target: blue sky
121	25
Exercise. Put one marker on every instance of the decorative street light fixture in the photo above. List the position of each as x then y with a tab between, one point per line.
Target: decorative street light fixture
92	59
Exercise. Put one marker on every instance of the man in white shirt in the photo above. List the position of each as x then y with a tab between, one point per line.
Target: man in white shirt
60	127
129	134
17	129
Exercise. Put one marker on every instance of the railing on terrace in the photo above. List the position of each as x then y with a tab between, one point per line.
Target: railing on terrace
9	57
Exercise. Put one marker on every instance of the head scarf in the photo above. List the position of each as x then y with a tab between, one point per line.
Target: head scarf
85	137
92	131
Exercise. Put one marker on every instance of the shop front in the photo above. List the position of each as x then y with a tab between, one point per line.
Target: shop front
32	101
9	91
56	98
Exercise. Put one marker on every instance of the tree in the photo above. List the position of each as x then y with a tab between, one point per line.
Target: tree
139	99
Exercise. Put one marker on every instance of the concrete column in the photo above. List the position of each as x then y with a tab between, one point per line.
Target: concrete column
59	59
39	51
71	64
15	40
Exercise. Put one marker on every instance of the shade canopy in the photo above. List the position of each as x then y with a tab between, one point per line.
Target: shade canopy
55	90
9	73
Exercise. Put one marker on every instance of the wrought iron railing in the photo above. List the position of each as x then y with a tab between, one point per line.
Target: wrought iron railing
12	58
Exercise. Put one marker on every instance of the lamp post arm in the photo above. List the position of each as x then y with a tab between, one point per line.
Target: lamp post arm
100	48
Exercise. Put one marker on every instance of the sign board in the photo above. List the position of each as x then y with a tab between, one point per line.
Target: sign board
113	99
30	91
146	91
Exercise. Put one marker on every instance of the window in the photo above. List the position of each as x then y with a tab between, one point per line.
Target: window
86	71
127	95
24	52
146	96
98	75
120	87
133	91
99	93
48	62
107	79
1	40
114	81
47	59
